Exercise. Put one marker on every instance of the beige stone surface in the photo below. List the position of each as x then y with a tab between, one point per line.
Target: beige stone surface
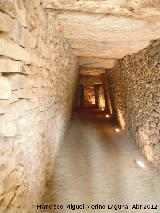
23	37
96	165
96	62
107	29
135	92
39	45
5	88
10	66
12	50
122	7
6	22
91	71
37	79
16	9
7	129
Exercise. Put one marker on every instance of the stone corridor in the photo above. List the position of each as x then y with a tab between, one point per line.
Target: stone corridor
79	103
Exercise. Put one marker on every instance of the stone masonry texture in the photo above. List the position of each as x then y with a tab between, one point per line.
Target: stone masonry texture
135	90
37	79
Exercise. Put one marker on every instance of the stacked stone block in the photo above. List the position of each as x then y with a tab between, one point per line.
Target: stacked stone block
37	80
135	91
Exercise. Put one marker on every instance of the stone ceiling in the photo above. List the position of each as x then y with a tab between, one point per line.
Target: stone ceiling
101	31
91	71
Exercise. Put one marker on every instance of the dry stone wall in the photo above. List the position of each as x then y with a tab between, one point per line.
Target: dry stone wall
135	89
37	80
89	95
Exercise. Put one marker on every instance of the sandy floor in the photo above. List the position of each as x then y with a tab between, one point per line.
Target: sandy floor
96	165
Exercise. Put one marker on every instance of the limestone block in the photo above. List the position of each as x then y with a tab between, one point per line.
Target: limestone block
8	7
7	129
22	125
8	197
135	79
37	59
26	69
36	3
23	94
26	118
6	148
156	114
14	111
6	22
19	81
5	88
14	178
23	37
16	9
2	107
10	66
44	49
12	50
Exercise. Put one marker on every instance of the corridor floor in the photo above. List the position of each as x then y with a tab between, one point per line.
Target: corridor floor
97	165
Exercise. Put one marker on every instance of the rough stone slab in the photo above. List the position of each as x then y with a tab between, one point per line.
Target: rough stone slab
2	107
23	37
135	96
19	81
10	66
96	62
12	50
7	129
27	117
36	3
106	30
123	7
6	22
15	9
37	60
44	49
5	88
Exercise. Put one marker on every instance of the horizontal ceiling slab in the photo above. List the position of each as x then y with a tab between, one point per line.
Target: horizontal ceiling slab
103	30
96	62
107	36
91	71
132	8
